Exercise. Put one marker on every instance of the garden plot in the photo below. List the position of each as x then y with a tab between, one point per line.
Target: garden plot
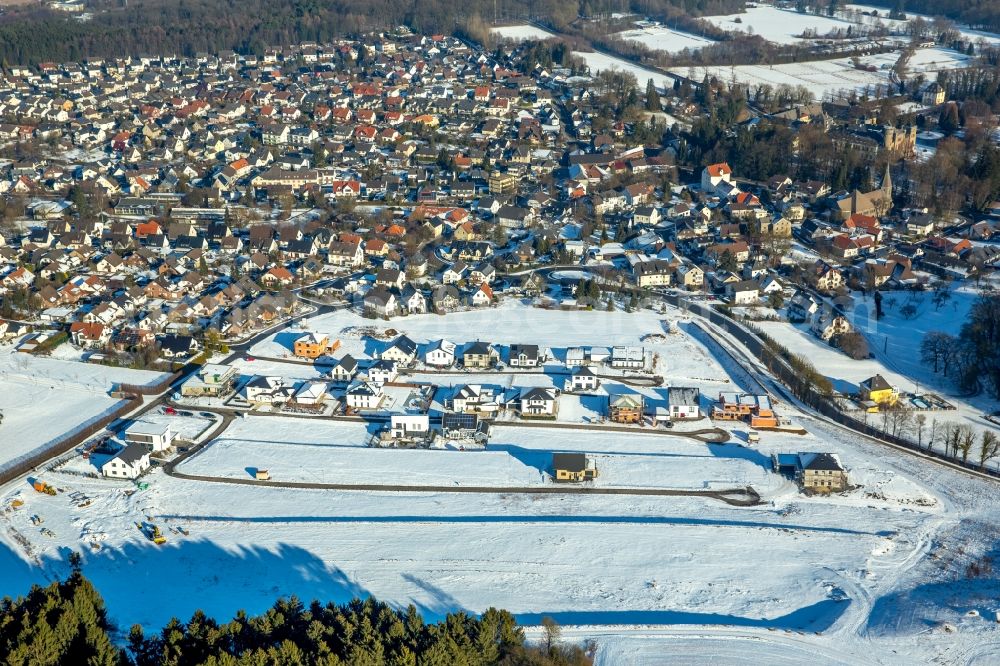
516	456
662	38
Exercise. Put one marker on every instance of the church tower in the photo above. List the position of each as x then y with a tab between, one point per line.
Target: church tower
887	184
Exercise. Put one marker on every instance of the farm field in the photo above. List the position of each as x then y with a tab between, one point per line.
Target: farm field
823	77
521	33
782	26
599	62
662	38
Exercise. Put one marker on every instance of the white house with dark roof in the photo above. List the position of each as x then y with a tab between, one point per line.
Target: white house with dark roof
129	463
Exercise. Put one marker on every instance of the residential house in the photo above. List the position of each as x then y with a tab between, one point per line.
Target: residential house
152	437
129	463
684	402
264	390
581	380
628	358
211	380
744	292
403	351
345	369
524	356
877	390
625	408
363	395
313	345
440	354
537	402
573	467
480	355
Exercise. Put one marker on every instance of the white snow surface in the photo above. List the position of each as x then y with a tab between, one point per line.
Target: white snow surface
782	26
662	38
867	576
599	62
834	75
521	33
45	398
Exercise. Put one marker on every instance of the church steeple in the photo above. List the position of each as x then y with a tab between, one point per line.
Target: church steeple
887	183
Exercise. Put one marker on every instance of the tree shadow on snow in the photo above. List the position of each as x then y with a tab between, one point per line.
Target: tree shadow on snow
146	584
817	617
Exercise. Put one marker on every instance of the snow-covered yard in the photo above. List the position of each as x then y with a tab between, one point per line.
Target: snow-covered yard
516	456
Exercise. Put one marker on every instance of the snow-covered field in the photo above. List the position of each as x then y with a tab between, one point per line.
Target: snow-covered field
662	38
967	33
599	62
520	33
895	342
868	576
829	76
516	456
782	26
45	398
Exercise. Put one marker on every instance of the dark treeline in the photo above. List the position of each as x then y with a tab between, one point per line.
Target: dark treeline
67	623
186	27
977	13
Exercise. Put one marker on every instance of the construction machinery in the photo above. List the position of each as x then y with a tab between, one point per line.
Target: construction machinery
152	532
42	487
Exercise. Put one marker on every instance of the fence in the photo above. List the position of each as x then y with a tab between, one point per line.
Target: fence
166	382
67	442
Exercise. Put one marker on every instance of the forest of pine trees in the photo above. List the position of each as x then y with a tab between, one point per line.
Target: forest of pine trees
67	623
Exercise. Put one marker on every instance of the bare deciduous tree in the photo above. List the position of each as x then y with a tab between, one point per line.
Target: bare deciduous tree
989	447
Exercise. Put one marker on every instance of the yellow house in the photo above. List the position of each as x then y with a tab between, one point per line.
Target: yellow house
780	227
876	389
501	183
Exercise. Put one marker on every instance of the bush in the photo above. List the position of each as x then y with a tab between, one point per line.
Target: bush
853	344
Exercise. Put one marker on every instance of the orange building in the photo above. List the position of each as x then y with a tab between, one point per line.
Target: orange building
311	345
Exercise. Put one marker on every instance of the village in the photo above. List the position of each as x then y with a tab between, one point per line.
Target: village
404	280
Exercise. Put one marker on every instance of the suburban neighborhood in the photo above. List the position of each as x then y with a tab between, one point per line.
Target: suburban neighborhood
466	328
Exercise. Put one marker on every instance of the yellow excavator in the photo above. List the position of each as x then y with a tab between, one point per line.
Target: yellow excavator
152	532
